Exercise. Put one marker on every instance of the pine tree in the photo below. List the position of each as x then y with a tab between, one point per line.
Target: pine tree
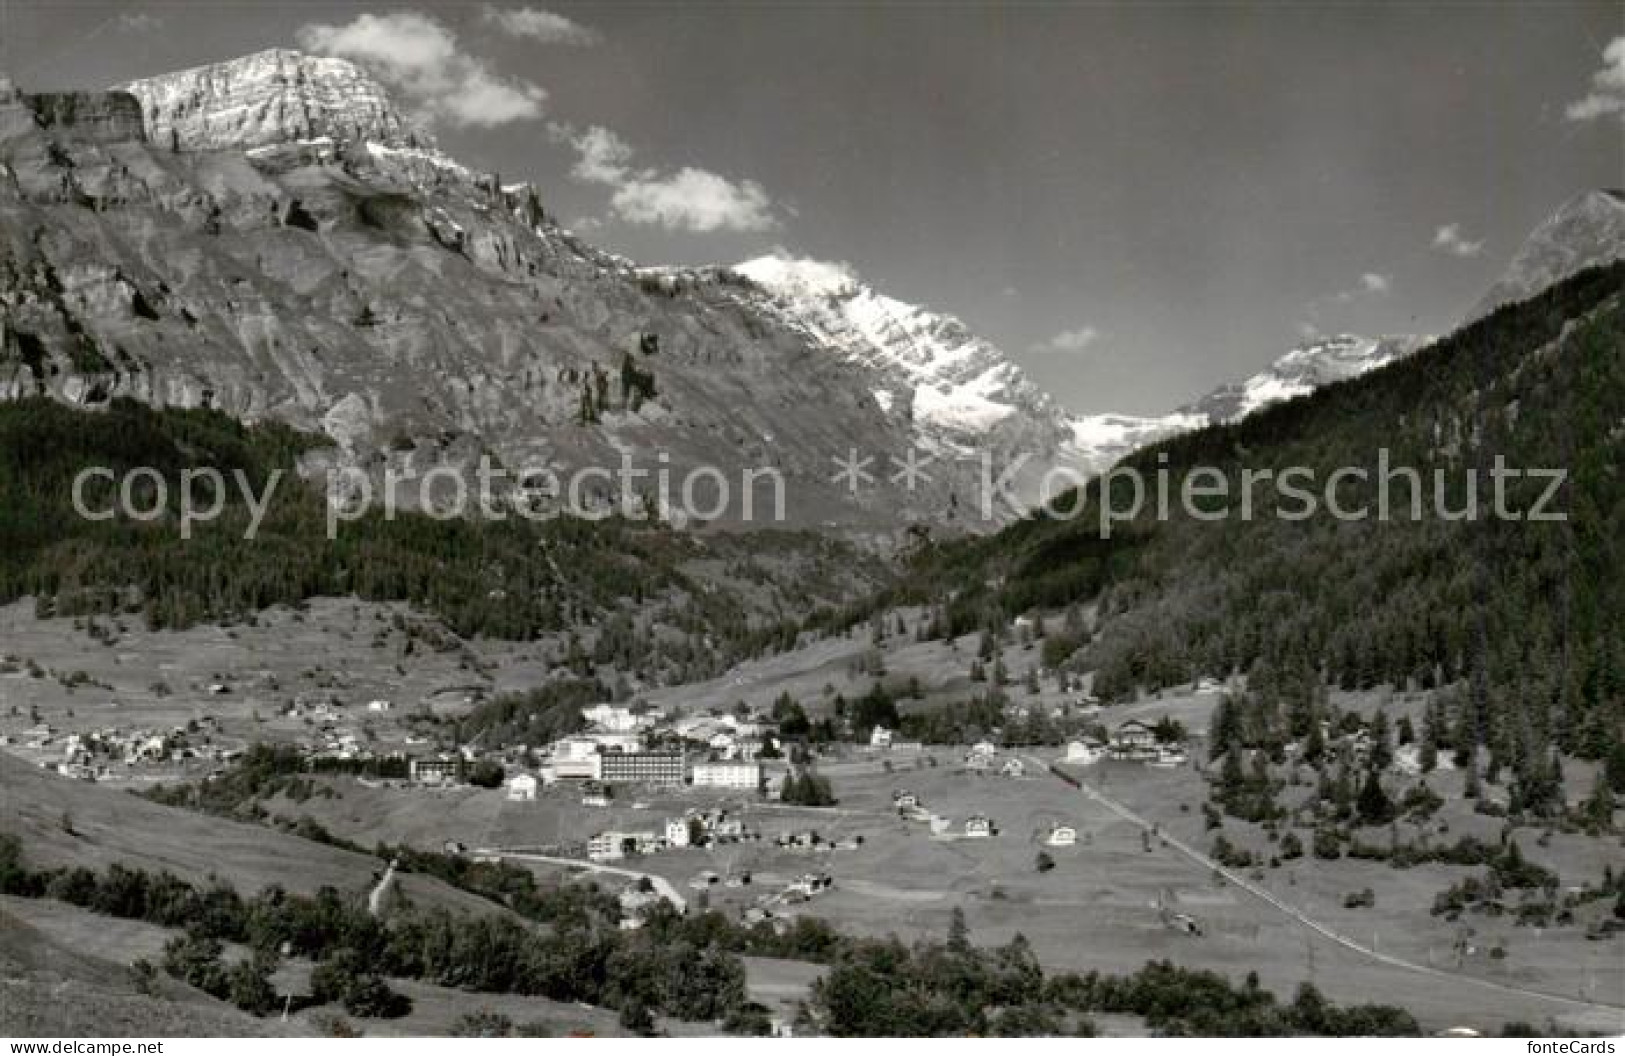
1372	806
958	933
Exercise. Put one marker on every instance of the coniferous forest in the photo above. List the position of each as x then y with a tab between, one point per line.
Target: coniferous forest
1526	620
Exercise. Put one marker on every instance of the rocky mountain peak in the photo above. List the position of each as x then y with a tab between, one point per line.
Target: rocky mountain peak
268	98
957	390
1586	230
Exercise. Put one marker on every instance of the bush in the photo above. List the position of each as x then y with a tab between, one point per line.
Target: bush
482	1024
369	997
636	1018
194	959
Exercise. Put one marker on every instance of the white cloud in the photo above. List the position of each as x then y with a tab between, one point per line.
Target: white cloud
1068	342
1607	87
1449	239
1371	284
695	200
532	23
689	199
419	58
603	156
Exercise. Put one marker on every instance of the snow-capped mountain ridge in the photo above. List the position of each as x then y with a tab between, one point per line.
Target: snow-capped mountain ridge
955	386
1302	370
962	390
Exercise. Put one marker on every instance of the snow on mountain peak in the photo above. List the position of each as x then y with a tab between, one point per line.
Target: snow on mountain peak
800	278
959	390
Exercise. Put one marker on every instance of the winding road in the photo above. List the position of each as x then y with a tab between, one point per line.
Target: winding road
662	886
1327	932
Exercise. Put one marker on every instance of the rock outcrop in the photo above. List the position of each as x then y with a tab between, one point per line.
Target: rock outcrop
410	308
101	117
1300	371
1588	229
272	97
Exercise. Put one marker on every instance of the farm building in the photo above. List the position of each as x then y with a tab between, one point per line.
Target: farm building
1085	752
1134	740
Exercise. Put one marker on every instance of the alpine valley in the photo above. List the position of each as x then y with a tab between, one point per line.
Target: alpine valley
896	765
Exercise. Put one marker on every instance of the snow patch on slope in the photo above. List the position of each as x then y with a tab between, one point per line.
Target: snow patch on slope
963	387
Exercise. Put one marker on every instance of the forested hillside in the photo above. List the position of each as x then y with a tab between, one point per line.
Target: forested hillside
1528	618
672	602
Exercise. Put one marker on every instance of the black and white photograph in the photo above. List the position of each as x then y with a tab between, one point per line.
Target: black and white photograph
771	519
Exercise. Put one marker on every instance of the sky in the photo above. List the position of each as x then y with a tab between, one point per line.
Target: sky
1136	202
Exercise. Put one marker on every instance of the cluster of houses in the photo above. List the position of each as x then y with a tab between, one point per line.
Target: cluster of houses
706	879
811	840
696	828
983	758
620	747
1134	741
330	716
623	746
92	755
910	807
802	889
882	739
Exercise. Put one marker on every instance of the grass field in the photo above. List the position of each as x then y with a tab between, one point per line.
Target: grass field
66	822
64	973
348	650
1099	908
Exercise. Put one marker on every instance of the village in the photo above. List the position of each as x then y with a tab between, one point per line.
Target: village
665	785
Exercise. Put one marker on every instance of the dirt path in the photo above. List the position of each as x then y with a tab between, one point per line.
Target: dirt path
662	886
375	899
1266	896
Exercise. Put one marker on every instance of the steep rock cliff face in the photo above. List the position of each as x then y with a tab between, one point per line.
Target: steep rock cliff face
103	117
272	97
418	314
